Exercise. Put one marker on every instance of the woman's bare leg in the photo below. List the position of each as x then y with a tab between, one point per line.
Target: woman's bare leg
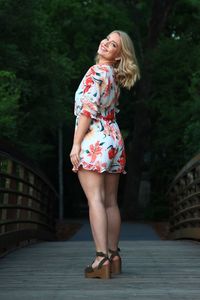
112	210
93	186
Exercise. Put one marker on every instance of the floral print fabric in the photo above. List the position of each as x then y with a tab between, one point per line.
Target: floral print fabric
102	148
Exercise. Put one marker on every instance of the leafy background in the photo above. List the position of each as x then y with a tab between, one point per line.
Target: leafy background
47	46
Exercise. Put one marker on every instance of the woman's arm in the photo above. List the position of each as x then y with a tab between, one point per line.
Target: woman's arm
82	128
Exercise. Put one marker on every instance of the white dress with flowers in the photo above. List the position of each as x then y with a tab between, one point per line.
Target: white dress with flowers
102	148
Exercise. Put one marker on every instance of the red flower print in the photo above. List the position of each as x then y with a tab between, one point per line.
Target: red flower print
94	151
86	113
111	115
112	152
122	159
121	142
91	71
89	81
108	86
99	167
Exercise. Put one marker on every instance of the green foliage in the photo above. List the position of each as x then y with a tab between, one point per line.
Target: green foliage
192	131
49	44
46	47
175	103
9	96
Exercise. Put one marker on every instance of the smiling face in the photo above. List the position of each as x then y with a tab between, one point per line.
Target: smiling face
110	48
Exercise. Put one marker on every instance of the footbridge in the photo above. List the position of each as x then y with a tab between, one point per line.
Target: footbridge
42	267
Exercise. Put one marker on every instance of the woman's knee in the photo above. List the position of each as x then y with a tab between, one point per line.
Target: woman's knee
110	201
96	199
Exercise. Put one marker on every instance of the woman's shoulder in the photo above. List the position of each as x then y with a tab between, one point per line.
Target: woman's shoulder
100	70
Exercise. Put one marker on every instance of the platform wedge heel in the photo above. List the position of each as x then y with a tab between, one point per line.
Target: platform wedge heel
101	271
116	264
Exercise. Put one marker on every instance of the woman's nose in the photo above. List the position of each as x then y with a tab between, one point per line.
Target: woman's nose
106	43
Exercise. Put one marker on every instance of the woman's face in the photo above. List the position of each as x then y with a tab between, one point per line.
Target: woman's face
110	47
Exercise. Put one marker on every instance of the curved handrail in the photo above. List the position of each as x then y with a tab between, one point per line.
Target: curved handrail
27	201
184	198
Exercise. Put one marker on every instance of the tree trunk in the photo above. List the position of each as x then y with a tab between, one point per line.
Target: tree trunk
142	123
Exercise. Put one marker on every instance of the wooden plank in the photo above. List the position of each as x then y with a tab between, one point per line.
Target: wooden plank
54	270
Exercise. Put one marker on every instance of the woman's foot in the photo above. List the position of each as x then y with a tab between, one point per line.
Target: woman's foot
116	262
97	261
100	268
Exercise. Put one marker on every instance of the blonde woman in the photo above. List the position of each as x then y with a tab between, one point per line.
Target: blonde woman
98	154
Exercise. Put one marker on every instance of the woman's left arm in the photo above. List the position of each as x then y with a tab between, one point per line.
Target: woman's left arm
82	128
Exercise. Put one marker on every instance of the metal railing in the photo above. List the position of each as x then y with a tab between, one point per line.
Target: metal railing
184	196
27	204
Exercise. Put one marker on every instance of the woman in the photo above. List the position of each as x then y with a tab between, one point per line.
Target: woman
98	154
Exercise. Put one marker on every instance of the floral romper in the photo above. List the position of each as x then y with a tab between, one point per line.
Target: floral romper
102	148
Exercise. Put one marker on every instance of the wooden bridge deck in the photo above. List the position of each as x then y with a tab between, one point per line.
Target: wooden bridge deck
152	269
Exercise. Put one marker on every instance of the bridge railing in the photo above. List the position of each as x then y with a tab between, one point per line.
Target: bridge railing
184	197
27	204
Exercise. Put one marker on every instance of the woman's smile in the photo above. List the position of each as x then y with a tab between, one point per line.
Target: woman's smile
103	48
109	48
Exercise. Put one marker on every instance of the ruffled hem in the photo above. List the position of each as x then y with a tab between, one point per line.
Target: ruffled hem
98	170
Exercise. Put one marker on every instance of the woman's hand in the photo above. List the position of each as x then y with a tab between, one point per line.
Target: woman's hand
74	156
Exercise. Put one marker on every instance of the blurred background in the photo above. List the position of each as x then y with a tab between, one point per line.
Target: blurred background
46	46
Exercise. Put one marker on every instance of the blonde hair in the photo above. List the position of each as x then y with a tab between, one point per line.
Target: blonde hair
126	69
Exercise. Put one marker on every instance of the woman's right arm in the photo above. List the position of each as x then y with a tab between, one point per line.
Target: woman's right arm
91	93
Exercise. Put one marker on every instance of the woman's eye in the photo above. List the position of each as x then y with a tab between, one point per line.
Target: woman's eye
113	44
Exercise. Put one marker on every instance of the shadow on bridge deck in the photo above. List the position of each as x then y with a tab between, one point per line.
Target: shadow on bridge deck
152	269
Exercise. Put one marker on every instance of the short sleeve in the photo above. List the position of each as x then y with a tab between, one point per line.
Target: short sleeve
89	91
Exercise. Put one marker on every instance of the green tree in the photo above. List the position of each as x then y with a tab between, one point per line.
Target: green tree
174	103
9	105
48	45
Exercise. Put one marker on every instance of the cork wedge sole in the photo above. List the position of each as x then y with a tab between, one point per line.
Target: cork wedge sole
103	272
116	266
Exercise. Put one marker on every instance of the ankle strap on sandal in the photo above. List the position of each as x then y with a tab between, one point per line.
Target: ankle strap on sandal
101	254
114	253
103	260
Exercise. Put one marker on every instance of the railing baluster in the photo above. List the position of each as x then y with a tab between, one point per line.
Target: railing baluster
27	203
184	198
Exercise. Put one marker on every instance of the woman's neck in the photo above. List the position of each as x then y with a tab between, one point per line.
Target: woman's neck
105	62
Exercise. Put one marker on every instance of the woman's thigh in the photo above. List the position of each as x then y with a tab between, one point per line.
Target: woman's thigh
93	184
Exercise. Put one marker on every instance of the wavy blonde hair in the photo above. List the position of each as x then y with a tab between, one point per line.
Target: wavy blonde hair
126	69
